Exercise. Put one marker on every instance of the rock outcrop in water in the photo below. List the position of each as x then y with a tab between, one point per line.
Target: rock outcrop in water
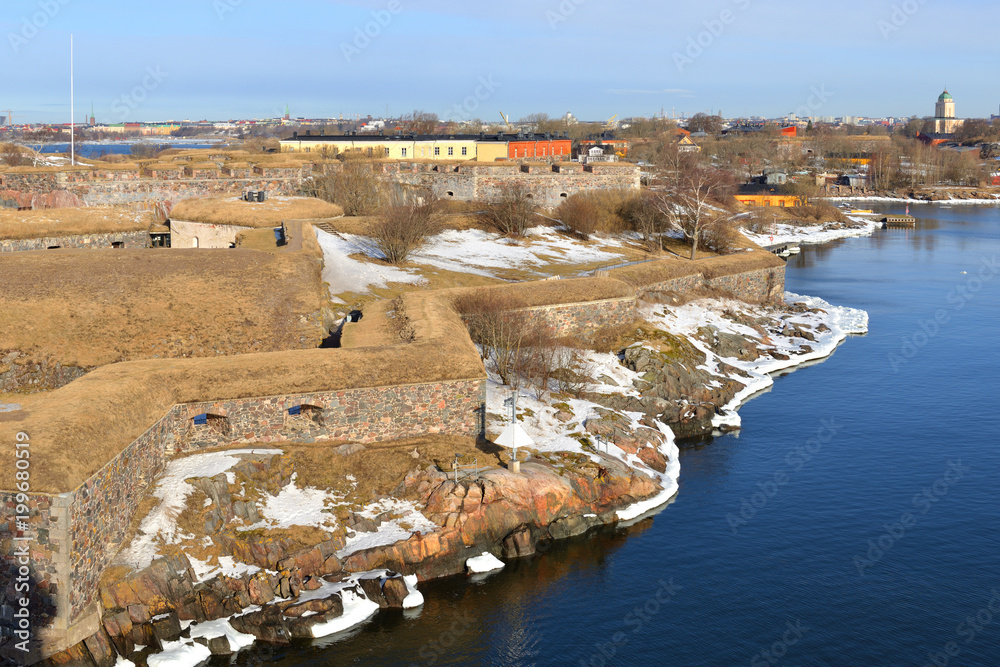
510	515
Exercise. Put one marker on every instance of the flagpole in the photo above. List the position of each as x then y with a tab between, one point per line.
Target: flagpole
72	110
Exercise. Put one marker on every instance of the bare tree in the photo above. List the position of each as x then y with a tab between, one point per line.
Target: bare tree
356	188
699	188
402	228
498	324
689	205
421	122
510	210
651	215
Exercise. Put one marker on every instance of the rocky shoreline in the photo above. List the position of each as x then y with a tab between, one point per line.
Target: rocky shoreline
604	453
943	197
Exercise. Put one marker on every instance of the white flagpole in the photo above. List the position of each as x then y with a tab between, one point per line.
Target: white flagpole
72	110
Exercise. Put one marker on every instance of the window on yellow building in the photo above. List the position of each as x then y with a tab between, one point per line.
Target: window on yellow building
465	150
404	152
437	150
451	150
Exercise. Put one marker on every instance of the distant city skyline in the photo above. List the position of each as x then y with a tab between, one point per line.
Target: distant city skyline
223	59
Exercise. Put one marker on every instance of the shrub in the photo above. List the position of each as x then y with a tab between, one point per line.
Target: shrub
510	211
143	151
580	214
401	229
356	188
644	215
597	211
723	237
16	156
399	321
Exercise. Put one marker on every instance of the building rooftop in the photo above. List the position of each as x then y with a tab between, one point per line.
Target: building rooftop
382	138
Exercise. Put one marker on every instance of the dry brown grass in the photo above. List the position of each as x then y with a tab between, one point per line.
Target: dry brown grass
45	170
87	308
361	225
271	213
80	427
380	467
77	429
549	292
71	222
640	275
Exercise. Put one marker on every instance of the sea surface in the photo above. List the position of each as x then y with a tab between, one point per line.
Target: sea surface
855	520
97	149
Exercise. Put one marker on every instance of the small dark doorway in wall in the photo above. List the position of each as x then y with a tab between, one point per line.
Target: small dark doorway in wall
54	247
117	244
333	340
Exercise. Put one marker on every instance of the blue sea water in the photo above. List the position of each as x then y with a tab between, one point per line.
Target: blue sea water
95	150
853	521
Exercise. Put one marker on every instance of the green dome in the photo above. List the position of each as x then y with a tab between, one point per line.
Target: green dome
944	96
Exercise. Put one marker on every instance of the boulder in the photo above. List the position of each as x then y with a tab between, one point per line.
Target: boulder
167	627
220	646
518	543
373	591
394	590
119	629
102	653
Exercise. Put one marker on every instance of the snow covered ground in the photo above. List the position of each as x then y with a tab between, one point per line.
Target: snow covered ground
345	274
160	525
686	320
470	251
410	520
475	251
610	376
903	200
293	506
550	434
821	233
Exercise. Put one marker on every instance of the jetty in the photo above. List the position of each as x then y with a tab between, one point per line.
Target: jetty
899	221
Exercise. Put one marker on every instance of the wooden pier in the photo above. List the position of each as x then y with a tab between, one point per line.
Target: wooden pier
899	221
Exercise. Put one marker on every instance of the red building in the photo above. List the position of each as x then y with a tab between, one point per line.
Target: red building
538	145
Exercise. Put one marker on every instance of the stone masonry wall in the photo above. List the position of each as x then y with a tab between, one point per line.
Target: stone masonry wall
18	377
102	508
85	241
354	415
760	285
547	187
576	318
41	528
753	286
114	187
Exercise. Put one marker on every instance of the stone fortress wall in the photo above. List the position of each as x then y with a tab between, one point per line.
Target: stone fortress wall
549	184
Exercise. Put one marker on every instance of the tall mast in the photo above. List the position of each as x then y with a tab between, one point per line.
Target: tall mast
72	111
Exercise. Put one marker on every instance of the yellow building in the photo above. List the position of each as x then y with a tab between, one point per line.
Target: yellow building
782	201
402	147
490	150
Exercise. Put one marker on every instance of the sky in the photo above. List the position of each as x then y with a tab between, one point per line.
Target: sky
228	59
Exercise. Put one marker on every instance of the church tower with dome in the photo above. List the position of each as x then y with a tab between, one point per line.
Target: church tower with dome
945	121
